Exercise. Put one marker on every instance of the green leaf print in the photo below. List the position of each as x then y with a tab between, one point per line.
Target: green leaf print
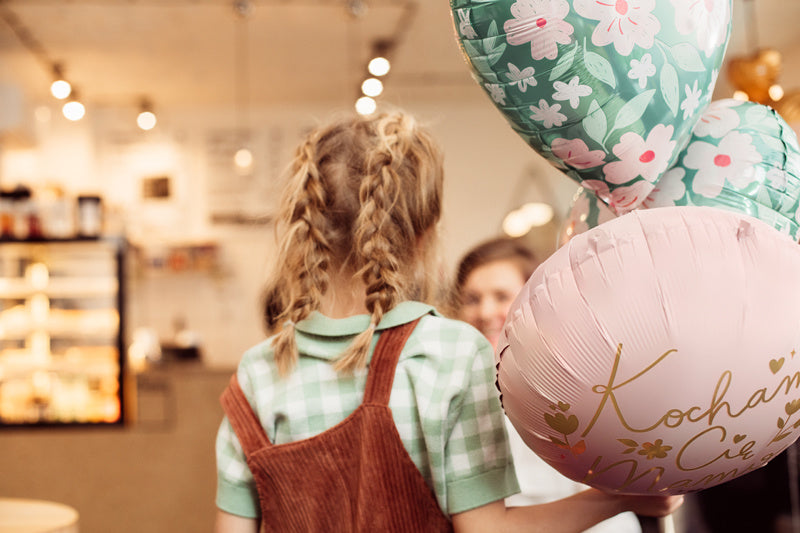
633	109
495	45
600	68
595	123
564	63
479	62
687	58
763	197
669	88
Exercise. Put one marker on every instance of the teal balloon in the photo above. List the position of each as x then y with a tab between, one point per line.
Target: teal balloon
743	157
605	90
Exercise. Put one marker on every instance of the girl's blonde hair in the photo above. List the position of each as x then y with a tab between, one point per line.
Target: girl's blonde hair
363	198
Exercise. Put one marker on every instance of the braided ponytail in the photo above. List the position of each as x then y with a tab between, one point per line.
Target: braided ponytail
304	254
385	230
361	203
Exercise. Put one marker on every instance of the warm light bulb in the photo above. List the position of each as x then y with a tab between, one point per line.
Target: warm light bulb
537	213
243	158
146	120
379	66
372	87
740	95
515	224
73	110
366	105
776	92
60	89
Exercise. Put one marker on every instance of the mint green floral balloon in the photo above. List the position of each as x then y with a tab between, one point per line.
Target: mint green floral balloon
743	157
606	90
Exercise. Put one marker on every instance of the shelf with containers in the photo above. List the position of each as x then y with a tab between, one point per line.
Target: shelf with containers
62	332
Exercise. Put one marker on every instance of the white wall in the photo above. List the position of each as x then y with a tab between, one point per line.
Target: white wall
487	168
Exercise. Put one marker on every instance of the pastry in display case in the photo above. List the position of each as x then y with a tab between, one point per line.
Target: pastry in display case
61	332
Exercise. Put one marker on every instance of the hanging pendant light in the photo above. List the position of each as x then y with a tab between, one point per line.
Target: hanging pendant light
243	158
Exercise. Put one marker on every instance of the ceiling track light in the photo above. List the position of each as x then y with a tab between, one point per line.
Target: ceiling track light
60	88
146	119
73	110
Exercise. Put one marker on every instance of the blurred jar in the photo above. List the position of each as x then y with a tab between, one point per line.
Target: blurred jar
90	216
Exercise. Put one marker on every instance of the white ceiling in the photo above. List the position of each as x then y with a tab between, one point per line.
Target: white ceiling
183	53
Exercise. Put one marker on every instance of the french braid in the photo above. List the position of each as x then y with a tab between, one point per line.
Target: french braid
304	253
363	198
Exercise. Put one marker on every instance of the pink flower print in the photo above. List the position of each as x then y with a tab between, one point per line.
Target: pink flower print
629	197
625	23
599	187
708	20
576	154
733	160
540	22
639	157
668	190
718	119
620	200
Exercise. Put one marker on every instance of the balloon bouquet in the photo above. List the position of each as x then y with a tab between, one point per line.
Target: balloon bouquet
658	349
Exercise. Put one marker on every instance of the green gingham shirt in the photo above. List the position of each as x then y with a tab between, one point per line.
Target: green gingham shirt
443	401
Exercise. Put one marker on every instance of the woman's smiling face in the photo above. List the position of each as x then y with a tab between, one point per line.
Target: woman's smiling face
488	293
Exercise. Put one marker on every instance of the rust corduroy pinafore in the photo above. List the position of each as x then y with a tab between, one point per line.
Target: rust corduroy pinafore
354	477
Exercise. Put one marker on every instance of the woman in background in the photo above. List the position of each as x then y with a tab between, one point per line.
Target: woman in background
488	279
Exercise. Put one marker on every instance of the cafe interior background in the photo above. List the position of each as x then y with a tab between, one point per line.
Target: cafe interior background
166	230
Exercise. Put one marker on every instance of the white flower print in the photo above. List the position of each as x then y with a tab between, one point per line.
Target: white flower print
778	178
548	114
576	154
692	100
496	92
521	78
541	23
572	91
718	119
668	190
647	158
708	20
641	70
625	23
733	160
465	26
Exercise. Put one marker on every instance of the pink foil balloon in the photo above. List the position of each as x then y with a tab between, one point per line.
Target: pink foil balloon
658	352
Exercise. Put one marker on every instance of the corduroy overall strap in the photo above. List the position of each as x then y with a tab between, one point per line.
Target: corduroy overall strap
243	419
384	361
247	426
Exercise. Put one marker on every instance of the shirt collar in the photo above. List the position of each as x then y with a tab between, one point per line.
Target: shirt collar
320	325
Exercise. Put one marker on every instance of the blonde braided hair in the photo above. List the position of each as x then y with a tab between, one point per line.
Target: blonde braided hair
363	198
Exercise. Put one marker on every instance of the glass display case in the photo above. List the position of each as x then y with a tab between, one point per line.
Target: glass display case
61	332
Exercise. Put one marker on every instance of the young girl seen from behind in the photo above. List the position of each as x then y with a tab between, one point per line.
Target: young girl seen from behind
366	410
